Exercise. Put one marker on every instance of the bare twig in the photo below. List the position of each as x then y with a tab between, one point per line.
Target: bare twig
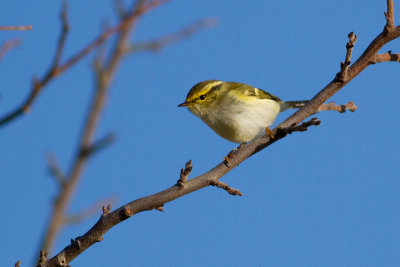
385	57
86	145
340	108
227	188
185	173
15	28
38	84
7	46
63	37
343	75
91	211
243	152
98	145
42	259
55	169
303	126
120	8
159	43
55	71
389	15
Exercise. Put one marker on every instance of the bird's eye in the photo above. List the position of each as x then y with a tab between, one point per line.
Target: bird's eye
202	97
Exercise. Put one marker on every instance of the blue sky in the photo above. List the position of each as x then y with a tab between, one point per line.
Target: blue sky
326	197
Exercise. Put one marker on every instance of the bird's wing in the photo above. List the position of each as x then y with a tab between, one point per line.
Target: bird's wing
247	90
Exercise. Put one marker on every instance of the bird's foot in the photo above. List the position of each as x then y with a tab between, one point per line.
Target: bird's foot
270	133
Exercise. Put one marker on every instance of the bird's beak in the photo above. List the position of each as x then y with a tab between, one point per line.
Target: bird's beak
184	104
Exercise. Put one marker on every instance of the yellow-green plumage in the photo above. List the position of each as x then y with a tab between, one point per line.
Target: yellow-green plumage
237	112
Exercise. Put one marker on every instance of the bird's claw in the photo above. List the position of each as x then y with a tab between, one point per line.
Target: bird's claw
270	133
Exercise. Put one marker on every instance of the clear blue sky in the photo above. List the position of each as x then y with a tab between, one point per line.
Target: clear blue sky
326	197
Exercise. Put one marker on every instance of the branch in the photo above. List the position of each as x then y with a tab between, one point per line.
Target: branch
55	170
340	108
389	15
95	234
98	145
185	173
343	75
42	259
227	188
388	56
15	28
91	211
86	147
39	84
55	71
159	43
7	46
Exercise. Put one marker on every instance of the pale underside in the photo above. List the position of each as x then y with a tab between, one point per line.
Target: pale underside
237	120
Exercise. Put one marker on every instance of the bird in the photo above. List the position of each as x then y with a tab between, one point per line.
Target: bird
236	111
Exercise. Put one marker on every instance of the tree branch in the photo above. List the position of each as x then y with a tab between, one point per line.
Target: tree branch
159	43
7	46
39	84
340	108
95	234
343	75
60	68
55	170
86	145
226	187
90	211
185	173
16	28
389	15
385	57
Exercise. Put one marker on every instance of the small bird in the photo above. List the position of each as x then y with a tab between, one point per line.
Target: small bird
237	112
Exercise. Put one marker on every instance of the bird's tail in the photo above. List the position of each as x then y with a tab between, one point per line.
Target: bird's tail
293	104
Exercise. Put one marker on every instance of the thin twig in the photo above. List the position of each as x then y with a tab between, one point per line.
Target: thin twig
340	108
120	8
39	84
226	187
15	28
55	169
90	211
343	75
385	57
42	259
63	37
98	145
55	71
389	15
7	46
162	42
185	173
302	127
